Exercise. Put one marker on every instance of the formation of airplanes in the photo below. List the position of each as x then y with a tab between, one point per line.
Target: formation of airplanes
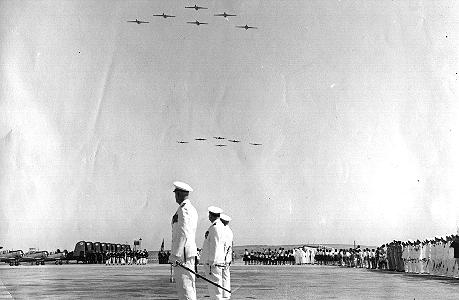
220	139
196	22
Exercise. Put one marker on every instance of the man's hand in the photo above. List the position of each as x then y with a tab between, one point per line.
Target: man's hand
174	259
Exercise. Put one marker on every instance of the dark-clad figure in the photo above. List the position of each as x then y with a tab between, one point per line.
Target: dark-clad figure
183	249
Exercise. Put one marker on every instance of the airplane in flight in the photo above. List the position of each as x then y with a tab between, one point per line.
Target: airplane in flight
35	257
137	21
220	145
164	16
11	257
182	142
219	138
195	7
247	27
200	139
234	141
255	144
224	15
196	23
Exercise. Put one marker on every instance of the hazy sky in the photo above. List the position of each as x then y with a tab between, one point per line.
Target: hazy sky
355	103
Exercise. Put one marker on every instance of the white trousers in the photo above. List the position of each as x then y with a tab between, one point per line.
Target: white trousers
214	274
185	281
226	282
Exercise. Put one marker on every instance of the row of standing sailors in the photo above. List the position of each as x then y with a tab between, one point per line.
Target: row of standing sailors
439	256
279	256
127	258
352	258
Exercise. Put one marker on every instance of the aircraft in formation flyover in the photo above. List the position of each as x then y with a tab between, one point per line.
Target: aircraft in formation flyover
197	23
137	21
224	15
195	7
247	27
220	138
164	16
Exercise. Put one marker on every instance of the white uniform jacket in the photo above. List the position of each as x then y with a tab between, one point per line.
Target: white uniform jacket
228	244
184	224
213	248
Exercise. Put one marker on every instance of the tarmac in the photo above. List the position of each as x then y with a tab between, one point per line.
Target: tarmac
248	282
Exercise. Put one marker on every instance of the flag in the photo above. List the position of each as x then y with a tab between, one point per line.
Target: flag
162	246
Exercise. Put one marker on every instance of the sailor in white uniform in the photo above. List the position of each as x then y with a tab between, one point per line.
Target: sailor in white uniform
183	248
228	255
213	252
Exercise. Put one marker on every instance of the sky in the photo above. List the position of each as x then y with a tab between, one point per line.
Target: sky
354	103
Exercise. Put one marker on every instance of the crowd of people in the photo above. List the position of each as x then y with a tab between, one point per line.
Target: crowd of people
281	256
163	257
129	257
438	256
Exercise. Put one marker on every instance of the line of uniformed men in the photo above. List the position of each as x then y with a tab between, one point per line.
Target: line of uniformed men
355	258
137	257
437	256
216	253
281	256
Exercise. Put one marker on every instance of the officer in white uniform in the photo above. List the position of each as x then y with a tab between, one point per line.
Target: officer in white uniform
213	252
183	248
228	255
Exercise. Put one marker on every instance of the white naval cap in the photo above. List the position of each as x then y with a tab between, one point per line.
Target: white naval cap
215	210
225	217
182	186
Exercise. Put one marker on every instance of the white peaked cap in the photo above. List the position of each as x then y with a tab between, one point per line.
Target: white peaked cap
182	186
215	210
225	217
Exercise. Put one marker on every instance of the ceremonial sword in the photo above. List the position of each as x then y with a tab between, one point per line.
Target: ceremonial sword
200	276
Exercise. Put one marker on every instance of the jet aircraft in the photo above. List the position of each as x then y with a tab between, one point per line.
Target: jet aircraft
196	23
195	7
234	141
182	142
247	27
219	138
137	21
200	139
255	144
224	15
11	257
164	16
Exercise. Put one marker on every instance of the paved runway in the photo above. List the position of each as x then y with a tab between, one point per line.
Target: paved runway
249	282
